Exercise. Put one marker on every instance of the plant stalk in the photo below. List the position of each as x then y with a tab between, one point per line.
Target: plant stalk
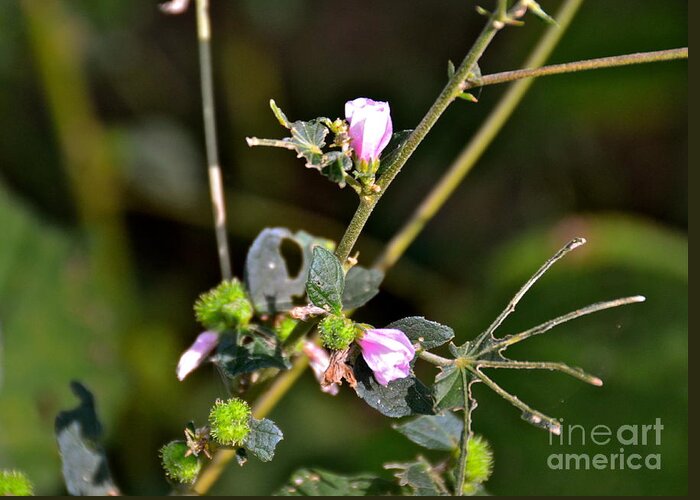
209	115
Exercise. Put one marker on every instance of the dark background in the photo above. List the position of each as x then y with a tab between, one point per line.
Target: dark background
106	239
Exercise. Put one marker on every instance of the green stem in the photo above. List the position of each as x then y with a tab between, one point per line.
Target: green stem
475	148
589	64
209	114
465	437
434	359
453	88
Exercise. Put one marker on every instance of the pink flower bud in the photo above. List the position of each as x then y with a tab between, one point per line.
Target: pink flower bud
319	361
388	353
370	127
193	357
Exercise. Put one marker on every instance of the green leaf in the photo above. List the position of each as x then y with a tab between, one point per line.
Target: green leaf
428	333
317	482
334	164
392	149
78	432
448	389
281	117
263	438
239	353
435	432
309	139
400	398
271	287
420	477
361	285
326	281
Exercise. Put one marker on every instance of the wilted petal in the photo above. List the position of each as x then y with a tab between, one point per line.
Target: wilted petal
388	353
370	127
193	357
319	360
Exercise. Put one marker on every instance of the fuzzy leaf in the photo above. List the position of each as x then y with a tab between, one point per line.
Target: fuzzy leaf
267	277
420	477
263	438
400	398
326	281
309	139
78	432
361	285
237	354
317	482
435	432
428	333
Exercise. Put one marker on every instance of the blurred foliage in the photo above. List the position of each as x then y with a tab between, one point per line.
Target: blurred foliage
601	155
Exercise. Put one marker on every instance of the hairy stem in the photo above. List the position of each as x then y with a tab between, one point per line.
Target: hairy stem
434	359
472	152
453	88
548	325
530	414
542	365
465	437
209	114
585	65
573	244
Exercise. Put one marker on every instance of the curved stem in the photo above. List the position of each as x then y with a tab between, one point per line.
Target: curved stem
478	144
452	89
214	170
585	65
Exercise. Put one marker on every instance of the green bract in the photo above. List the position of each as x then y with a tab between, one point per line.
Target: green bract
177	464
225	306
14	483
479	464
337	332
230	421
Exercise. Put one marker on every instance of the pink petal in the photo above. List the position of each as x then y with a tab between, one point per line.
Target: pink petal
198	352
388	353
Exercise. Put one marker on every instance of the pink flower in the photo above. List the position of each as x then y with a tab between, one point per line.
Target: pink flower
370	127
319	361
388	353
175	6
193	357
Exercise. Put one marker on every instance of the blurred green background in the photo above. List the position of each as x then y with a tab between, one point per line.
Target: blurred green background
106	238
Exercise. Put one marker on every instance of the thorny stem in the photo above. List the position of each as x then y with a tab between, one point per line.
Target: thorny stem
214	169
471	153
451	90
